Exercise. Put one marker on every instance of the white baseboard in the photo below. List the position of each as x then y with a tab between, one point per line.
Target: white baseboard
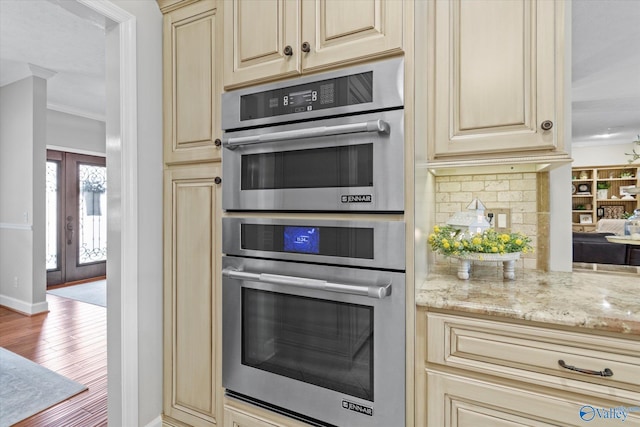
157	422
23	306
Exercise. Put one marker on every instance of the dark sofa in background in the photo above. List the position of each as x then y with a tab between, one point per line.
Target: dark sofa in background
595	248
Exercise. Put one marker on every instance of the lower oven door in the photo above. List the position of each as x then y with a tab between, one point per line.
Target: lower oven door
321	343
352	163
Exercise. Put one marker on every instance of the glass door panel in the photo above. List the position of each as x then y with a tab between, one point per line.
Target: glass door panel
92	215
76	217
343	166
320	342
52	217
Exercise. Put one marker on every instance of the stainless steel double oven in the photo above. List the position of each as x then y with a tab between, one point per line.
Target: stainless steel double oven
314	302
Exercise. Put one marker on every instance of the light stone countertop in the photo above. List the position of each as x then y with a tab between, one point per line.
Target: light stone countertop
593	300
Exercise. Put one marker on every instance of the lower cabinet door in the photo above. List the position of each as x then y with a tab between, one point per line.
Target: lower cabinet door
192	320
454	401
238	419
241	414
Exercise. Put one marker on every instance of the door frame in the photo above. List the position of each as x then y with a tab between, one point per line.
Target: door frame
122	216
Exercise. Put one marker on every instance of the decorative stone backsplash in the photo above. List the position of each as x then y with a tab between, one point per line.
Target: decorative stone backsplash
515	191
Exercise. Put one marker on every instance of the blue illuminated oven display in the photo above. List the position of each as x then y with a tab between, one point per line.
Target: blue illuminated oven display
304	240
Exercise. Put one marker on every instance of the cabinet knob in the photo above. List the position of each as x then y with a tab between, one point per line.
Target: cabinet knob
306	47
217	142
217	180
546	125
288	51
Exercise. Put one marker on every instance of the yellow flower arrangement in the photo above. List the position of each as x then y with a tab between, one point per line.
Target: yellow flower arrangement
451	241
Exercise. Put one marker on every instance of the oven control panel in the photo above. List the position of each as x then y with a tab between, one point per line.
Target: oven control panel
337	92
348	242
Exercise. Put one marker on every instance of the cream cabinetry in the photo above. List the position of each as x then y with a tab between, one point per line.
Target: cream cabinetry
271	39
192	74
238	414
598	192
192	300
456	401
481	372
192	36
494	77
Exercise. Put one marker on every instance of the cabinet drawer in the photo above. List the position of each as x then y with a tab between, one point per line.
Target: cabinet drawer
455	401
240	414
239	419
530	353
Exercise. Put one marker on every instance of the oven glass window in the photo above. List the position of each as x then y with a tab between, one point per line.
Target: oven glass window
344	166
321	342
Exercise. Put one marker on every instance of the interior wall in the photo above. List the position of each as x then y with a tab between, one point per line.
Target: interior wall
559	222
149	207
601	155
22	191
68	132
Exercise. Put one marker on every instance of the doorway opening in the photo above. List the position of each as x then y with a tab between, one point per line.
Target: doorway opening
76	218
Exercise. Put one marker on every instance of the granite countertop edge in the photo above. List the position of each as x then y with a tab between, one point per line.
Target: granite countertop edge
593	301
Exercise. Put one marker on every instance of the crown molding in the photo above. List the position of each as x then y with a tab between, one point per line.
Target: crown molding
76	112
41	72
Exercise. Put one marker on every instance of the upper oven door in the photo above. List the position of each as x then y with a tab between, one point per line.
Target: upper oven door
352	163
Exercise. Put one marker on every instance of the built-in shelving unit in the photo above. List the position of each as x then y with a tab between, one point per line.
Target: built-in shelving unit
598	192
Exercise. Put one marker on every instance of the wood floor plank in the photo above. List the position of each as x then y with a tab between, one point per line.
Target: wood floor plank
70	339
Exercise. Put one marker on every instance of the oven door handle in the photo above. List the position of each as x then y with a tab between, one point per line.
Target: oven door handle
374	291
379	126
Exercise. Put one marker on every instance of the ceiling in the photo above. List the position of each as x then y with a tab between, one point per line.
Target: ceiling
605	71
62	36
68	38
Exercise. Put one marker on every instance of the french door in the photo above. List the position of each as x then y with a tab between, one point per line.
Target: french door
76	205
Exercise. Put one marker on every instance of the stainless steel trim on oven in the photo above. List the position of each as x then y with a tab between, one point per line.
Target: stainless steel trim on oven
388	241
388	92
384	194
371	291
382	406
379	126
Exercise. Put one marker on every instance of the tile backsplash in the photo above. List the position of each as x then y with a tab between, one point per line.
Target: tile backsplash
518	192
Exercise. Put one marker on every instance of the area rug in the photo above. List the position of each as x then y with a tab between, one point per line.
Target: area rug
27	388
92	292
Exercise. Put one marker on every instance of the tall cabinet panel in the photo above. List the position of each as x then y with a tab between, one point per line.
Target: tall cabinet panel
192	81
495	82
192	319
192	269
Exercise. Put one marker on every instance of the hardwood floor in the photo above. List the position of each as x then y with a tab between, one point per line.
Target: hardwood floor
71	340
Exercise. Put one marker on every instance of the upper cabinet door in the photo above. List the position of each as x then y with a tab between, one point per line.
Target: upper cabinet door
271	39
261	40
192	40
348	31
497	77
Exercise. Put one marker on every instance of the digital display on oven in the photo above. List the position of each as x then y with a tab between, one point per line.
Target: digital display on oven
337	92
304	240
346	242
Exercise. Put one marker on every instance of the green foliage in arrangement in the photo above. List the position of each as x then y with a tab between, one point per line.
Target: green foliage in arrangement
448	241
